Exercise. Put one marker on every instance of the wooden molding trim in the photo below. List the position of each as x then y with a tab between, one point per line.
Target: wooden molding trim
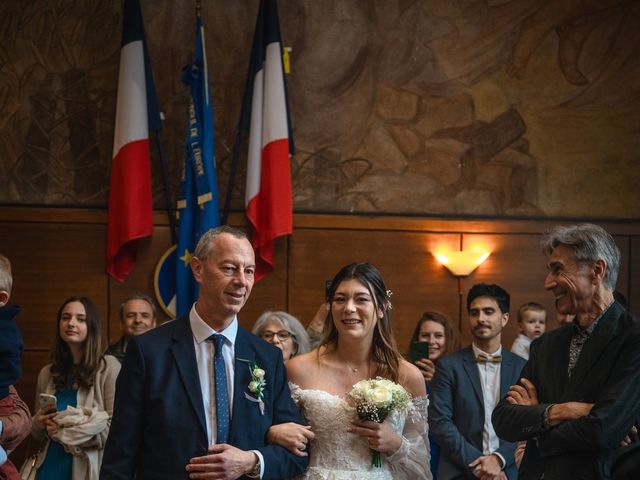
328	221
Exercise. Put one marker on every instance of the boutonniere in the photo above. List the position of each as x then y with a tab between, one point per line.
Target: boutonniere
256	385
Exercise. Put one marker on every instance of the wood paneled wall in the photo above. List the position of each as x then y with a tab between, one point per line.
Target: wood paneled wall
60	252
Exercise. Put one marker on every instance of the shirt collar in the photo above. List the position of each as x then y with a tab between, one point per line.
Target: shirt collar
202	331
577	329
477	351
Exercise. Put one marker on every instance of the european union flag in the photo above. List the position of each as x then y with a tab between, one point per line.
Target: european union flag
198	206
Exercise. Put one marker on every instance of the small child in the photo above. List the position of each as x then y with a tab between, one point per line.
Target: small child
10	346
532	322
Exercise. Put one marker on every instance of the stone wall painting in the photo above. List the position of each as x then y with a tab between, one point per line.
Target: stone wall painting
517	108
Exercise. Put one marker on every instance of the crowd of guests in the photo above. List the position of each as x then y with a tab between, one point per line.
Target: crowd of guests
482	411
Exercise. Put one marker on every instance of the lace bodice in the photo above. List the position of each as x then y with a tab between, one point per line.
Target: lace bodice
336	454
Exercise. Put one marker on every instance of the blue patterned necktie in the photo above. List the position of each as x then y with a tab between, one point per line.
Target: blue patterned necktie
222	396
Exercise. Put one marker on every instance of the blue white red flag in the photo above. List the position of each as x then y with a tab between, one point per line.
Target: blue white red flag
268	196
130	198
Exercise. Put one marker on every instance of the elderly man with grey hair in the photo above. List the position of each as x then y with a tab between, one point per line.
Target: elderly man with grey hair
579	394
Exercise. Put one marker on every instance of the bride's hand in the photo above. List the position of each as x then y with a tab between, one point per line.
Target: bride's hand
292	436
379	436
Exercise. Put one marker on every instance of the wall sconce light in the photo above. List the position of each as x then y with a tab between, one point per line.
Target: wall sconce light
461	264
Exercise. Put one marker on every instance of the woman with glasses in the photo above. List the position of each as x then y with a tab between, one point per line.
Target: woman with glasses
283	331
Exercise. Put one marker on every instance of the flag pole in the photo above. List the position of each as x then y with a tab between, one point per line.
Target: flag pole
167	193
232	176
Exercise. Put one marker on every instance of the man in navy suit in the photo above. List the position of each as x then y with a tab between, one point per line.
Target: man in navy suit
467	386
580	390
187	403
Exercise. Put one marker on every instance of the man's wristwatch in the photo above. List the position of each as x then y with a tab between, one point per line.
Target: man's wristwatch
255	471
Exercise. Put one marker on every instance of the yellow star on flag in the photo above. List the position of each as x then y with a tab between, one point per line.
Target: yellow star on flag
186	258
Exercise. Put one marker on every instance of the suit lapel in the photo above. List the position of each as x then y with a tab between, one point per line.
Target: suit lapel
594	347
185	357
242	375
506	373
471	368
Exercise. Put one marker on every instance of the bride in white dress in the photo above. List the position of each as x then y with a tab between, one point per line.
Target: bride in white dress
358	345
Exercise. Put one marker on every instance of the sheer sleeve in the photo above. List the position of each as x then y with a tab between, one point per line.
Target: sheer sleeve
412	458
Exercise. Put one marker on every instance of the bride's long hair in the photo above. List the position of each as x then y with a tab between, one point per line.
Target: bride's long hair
385	352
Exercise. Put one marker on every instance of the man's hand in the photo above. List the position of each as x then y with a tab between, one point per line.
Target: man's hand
292	436
427	368
524	393
487	467
628	439
222	462
317	322
560	412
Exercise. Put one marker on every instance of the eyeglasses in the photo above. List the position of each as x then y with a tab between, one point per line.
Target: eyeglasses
282	335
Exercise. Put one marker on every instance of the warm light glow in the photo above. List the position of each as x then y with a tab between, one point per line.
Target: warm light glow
461	264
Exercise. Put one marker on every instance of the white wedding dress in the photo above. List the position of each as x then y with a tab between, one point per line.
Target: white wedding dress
336	454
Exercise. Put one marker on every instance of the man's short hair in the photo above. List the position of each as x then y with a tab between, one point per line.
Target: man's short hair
499	294
138	296
530	307
589	243
6	280
206	240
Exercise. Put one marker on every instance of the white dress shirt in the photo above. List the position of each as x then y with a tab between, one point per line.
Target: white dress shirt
490	382
205	351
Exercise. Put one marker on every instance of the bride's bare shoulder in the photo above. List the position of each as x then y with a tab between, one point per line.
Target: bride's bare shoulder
303	367
411	379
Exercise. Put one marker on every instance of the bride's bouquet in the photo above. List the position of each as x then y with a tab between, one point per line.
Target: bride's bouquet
375	399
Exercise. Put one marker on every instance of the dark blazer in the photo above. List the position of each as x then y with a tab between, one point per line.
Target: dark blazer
456	412
159	422
607	374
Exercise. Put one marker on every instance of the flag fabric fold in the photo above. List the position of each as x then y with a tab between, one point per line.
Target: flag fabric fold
198	203
130	215
268	196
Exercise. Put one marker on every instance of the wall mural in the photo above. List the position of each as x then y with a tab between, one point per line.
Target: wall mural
453	107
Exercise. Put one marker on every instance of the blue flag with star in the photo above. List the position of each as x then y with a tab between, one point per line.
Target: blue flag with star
198	205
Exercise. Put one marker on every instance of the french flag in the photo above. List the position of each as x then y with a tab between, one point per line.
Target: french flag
130	198
268	196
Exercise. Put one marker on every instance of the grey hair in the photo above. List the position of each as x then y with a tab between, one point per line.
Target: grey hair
206	240
138	296
290	323
589	243
6	280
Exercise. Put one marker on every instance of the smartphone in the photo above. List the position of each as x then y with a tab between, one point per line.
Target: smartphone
419	350
48	402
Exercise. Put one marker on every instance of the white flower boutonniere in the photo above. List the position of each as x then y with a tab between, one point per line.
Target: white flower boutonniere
256	385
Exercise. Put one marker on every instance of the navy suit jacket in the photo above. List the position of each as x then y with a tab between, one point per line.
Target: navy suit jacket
159	424
607	374
456	412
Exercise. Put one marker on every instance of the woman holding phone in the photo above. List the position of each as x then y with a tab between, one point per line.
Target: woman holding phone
74	397
435	332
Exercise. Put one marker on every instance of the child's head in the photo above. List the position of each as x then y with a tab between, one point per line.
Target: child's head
532	319
5	280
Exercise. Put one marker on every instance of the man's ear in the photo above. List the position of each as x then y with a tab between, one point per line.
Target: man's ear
598	270
4	297
505	319
196	268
